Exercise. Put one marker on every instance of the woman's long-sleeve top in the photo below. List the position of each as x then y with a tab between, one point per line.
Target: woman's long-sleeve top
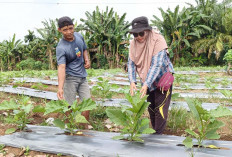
158	67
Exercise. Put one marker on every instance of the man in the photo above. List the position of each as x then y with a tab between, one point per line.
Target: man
72	60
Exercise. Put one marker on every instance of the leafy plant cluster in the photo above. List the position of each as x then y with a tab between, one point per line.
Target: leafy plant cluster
197	32
72	114
19	113
130	117
198	35
208	122
106	36
102	89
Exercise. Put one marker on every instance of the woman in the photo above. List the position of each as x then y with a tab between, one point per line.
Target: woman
148	57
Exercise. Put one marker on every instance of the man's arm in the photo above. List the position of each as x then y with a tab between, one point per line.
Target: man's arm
86	58
61	78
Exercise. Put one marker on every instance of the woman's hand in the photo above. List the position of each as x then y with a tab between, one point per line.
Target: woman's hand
143	91
132	88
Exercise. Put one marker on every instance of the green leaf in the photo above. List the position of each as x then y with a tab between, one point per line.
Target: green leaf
38	109
148	131
212	134
188	142
143	124
8	105
186	42
27	108
192	133
117	116
80	119
100	79
221	111
59	123
118	137
215	125
10	131
54	106
192	108
87	104
137	139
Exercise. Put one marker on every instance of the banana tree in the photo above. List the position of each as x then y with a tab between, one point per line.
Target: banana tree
180	28
106	31
3	56
10	50
50	37
220	23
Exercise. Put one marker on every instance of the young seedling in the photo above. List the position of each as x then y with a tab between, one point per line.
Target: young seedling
71	114
20	115
130	117
102	89
227	94
208	123
225	82
210	86
39	86
2	150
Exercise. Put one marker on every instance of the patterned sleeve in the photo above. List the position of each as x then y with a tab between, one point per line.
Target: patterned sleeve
131	70
155	68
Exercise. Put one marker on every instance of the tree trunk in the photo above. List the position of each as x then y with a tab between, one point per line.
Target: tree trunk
13	62
117	57
1	65
50	58
8	63
228	69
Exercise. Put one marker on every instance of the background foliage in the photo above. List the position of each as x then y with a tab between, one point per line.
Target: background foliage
198	35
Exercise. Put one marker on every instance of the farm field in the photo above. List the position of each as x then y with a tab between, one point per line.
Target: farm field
211	87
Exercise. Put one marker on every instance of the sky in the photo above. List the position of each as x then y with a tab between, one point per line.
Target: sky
19	16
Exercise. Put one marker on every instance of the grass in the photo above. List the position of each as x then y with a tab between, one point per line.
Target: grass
97	118
179	119
216	68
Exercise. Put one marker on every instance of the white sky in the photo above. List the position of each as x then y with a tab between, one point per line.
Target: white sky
18	16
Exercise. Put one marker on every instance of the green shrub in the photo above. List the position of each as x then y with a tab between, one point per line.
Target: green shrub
30	64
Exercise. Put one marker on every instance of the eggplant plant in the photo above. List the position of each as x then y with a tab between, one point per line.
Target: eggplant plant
22	110
130	117
227	94
210	86
208	122
72	114
102	89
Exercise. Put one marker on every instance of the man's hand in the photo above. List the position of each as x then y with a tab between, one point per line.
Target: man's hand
87	64
60	94
143	91
132	88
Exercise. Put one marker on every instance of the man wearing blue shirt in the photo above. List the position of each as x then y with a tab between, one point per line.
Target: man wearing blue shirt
72	60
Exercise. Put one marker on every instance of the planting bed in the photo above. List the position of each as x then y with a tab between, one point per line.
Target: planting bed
52	140
101	144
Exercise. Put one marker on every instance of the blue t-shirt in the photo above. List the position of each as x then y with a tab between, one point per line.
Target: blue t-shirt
71	54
